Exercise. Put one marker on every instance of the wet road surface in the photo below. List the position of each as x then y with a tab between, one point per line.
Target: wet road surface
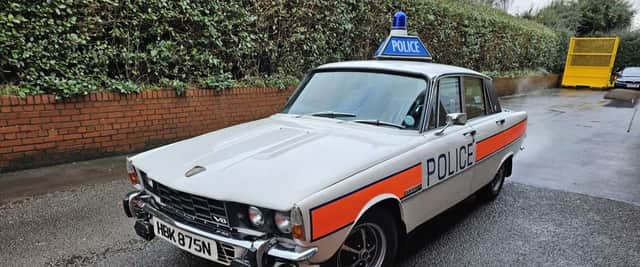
573	201
578	142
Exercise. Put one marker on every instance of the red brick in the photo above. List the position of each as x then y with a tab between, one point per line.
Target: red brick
4	100
45	145
72	136
9	129
91	134
23	148
116	115
70	112
5	150
119	137
69	124
9	136
81	117
60	118
11	143
55	138
108	132
18	121
40	120
66	131
102	139
33	140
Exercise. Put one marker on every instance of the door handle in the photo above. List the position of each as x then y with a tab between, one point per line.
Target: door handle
501	122
472	133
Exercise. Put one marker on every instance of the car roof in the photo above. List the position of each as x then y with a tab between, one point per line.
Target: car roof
431	70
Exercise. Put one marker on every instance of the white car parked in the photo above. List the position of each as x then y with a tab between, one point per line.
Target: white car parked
362	154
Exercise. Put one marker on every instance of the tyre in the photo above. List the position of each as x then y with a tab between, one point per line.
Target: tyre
373	242
491	191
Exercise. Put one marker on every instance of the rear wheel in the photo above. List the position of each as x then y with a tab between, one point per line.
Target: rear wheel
373	242
491	191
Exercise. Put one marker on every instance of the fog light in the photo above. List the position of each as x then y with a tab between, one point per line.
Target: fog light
256	217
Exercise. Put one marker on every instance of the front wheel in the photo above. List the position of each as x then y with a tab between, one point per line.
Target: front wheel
373	242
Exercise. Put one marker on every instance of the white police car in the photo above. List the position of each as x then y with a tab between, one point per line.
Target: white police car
362	154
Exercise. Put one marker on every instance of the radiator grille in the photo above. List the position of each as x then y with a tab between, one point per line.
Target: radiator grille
205	212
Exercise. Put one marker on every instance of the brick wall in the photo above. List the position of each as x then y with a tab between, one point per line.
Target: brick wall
39	130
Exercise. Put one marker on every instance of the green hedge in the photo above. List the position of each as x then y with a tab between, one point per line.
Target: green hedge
628	54
72	47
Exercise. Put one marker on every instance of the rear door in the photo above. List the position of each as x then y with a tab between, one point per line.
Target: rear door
485	118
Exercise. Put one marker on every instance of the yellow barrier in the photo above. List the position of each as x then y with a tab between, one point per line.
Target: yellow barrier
590	62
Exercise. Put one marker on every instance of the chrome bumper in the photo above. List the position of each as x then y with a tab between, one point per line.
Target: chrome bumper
255	251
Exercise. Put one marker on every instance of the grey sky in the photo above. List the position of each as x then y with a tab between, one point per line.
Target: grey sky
519	6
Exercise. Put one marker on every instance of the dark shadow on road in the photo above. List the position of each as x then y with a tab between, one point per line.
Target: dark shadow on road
620	104
420	239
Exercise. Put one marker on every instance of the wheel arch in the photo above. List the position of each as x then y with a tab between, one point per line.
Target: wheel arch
507	162
389	202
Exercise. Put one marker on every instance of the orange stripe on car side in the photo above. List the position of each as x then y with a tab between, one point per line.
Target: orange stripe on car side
343	211
494	143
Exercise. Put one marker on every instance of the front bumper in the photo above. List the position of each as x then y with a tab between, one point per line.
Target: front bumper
249	253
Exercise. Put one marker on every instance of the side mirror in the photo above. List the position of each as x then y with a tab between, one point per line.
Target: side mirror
457	118
454	119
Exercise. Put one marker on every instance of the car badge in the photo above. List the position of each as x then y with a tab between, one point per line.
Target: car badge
195	170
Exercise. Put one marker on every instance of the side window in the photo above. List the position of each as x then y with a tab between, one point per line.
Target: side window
448	99
474	98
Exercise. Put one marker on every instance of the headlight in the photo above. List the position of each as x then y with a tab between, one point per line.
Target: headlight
256	217
283	222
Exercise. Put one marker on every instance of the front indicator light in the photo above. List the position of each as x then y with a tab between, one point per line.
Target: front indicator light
283	222
256	217
297	227
133	176
297	232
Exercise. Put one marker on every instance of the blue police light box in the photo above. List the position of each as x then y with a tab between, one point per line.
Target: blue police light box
408	46
399	45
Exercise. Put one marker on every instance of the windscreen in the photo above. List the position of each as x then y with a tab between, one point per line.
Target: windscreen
365	95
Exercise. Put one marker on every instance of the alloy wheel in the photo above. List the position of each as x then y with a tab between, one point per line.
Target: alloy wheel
366	246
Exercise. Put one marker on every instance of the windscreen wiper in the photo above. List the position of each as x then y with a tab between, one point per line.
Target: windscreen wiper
332	114
379	122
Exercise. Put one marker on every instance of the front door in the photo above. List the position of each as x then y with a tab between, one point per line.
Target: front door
449	153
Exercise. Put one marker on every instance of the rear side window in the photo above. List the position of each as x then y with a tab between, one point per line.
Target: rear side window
474	99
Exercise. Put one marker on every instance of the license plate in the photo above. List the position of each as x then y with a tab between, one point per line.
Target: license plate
633	85
194	244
